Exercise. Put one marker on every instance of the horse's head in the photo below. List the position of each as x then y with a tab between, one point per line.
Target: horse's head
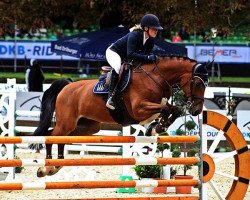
194	88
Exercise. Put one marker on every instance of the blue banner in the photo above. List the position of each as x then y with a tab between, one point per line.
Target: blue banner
201	53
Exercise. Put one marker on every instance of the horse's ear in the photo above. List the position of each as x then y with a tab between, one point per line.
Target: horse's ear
201	68
209	64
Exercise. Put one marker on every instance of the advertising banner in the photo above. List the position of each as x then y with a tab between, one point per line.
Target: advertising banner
220	54
243	123
36	50
179	124
202	53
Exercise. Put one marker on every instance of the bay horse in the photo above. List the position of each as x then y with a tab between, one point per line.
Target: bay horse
149	84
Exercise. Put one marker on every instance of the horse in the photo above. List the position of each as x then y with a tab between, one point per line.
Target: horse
150	83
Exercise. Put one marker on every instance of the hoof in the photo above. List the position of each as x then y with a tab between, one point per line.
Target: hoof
41	172
151	127
159	129
54	171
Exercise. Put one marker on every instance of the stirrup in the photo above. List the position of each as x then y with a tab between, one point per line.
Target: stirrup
110	104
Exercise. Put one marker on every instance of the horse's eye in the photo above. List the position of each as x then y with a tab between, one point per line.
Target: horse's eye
198	84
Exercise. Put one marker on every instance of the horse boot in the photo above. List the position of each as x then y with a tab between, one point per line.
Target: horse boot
112	89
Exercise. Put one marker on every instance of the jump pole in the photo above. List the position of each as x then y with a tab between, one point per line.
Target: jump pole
97	184
97	139
99	161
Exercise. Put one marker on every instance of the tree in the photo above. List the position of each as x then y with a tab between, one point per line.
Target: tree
172	13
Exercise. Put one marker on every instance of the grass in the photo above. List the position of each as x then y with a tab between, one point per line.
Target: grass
232	79
20	76
49	77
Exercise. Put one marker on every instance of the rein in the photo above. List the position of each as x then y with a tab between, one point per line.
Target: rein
155	81
192	97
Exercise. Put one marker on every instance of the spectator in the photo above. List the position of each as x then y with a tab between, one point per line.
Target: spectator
176	38
36	77
183	33
27	73
206	39
38	32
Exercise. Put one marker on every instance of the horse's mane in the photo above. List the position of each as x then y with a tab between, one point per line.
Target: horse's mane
163	56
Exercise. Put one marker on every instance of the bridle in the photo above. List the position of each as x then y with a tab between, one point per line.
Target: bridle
203	77
195	75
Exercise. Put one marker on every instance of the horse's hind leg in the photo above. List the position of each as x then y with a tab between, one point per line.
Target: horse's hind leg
55	169
42	171
63	127
87	127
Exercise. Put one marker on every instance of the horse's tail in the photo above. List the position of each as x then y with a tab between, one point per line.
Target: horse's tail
47	109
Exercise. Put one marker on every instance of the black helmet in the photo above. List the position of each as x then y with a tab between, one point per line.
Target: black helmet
151	21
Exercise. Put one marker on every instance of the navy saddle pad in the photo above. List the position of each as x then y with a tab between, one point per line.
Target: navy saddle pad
101	87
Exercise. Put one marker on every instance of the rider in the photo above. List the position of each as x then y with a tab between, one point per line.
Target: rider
136	45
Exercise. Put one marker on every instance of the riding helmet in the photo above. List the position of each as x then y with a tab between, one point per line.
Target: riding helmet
151	21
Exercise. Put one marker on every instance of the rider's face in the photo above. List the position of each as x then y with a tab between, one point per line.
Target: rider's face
152	32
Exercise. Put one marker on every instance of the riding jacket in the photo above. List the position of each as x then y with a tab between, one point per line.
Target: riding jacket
130	47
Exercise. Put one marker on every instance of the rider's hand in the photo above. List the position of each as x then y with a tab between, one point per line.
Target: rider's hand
152	57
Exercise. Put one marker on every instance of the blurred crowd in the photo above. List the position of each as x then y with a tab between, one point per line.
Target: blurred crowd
183	35
52	33
213	35
201	35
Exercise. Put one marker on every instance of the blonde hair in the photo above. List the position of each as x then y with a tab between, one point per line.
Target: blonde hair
136	27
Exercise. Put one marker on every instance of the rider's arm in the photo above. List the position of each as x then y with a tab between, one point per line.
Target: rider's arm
132	49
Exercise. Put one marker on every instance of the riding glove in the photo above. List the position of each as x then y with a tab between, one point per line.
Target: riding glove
152	57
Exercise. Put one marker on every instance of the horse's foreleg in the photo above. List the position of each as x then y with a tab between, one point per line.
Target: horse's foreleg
168	116
55	169
155	109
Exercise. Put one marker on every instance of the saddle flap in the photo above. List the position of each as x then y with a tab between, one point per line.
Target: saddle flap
102	86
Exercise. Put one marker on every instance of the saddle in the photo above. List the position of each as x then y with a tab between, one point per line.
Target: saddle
102	86
120	114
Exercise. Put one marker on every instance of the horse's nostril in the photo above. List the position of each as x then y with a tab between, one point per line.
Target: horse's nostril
197	112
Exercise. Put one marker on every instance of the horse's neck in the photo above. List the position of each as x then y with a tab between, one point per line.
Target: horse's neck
174	70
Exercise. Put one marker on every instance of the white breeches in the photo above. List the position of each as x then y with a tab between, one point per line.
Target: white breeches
114	60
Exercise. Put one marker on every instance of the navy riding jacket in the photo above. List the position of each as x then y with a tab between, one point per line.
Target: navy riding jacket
130	46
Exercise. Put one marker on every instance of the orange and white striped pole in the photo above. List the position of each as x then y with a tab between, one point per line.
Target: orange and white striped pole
97	139
147	160
97	184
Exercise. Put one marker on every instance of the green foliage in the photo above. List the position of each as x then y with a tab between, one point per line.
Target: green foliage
192	152
176	148
190	125
91	13
148	171
161	147
176	153
152	171
18	169
179	132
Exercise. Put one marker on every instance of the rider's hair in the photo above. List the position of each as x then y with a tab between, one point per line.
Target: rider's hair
136	27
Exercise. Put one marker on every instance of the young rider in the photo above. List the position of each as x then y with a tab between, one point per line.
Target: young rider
136	45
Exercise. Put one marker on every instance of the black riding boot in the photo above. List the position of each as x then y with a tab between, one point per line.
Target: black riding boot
112	89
